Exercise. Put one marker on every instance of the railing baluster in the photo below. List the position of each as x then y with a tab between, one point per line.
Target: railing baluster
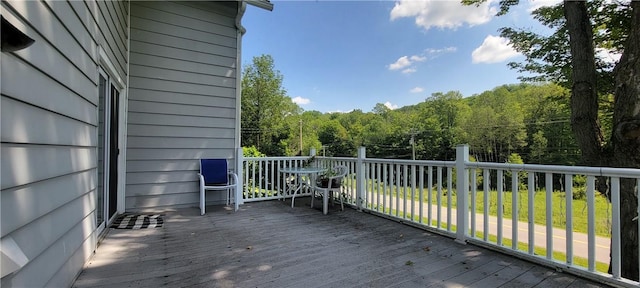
245	174
568	186
397	187
474	185
591	222
430	196
449	197
246	181
500	183
354	180
274	174
615	228
260	178
514	210
404	190
280	189
385	188
377	182
439	198
413	191
486	181
532	190
367	187
371	179
549	213
367	191
346	188
421	197
267	173
253	178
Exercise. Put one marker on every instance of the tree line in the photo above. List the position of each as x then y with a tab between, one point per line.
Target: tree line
531	121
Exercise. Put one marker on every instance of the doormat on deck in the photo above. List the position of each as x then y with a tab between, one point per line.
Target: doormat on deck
137	221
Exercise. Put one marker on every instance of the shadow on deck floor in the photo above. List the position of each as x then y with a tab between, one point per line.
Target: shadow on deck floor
269	244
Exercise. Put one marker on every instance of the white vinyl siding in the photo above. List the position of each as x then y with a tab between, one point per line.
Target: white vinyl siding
181	101
182	98
48	133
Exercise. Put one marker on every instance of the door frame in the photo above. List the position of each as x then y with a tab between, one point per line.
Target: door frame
110	73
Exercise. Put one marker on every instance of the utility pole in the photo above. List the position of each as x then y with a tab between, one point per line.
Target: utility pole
300	137
413	145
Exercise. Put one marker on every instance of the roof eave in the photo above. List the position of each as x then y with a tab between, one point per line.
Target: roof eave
264	4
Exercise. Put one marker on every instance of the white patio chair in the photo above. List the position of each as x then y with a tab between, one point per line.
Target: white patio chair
340	172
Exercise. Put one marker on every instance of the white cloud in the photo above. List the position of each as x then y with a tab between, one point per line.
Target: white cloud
400	63
535	4
301	101
448	14
390	106
407	61
494	49
340	111
417	90
441	50
417	58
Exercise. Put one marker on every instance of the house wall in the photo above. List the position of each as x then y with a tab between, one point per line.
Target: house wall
182	99
49	99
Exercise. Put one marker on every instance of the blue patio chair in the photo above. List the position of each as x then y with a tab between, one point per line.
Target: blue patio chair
214	175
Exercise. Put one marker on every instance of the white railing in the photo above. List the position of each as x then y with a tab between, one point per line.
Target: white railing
498	206
262	180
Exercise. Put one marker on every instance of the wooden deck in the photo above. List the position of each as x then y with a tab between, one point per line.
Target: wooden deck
269	244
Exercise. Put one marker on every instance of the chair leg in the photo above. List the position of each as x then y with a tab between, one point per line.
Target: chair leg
339	194
202	201
325	202
237	195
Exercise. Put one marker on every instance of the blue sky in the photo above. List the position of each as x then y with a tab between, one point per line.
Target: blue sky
345	55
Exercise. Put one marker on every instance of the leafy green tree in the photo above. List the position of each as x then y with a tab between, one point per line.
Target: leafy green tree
252	151
569	57
496	127
538	146
450	110
514	158
549	114
381	109
265	105
335	139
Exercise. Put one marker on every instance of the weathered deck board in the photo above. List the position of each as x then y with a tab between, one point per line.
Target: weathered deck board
269	244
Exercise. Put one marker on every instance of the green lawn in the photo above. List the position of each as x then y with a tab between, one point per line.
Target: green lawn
559	202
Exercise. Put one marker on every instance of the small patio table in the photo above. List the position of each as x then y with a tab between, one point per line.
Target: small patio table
312	172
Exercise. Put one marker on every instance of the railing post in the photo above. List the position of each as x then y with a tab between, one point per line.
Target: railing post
462	191
312	152
360	179
239	171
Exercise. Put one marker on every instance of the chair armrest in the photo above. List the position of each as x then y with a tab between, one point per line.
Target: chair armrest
234	176
201	180
337	177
